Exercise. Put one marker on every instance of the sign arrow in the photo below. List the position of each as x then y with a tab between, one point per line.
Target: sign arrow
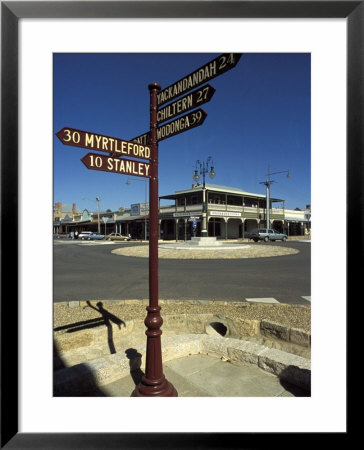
212	69
115	146
192	120
113	164
184	104
187	122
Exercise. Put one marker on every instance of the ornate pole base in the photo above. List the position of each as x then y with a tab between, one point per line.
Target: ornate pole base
155	388
154	383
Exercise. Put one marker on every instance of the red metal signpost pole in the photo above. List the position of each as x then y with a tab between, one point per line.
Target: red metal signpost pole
154	382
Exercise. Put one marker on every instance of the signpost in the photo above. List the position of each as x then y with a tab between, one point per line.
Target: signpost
105	219
115	146
184	123
153	383
187	122
184	104
207	72
124	166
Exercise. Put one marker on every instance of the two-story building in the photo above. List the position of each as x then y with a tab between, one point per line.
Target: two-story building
228	213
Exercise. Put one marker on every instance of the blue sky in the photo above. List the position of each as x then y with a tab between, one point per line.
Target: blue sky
258	116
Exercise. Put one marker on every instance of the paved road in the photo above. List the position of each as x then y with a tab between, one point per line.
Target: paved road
83	271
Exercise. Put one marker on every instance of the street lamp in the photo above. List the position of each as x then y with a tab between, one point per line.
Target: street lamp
98	214
267	184
202	169
128	182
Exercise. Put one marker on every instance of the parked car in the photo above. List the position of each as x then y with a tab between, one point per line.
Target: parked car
118	237
62	236
96	236
84	235
266	235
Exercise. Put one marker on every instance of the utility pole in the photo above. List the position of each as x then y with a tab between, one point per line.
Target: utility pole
98	214
267	184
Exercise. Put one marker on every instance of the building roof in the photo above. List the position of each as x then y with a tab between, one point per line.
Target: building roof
128	218
218	188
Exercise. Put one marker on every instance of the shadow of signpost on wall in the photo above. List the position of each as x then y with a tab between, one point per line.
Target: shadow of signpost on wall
63	386
108	318
135	363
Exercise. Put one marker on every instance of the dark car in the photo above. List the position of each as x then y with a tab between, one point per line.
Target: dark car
62	236
267	234
96	236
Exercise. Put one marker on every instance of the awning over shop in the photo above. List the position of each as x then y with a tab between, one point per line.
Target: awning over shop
296	219
131	218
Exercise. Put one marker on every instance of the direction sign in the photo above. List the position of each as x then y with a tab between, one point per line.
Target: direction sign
212	69
184	123
184	104
115	146
143	138
95	161
187	122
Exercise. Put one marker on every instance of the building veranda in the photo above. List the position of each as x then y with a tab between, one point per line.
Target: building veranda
226	213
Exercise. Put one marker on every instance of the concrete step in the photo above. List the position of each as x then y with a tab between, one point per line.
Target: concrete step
94	374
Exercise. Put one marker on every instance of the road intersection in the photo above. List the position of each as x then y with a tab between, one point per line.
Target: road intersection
88	270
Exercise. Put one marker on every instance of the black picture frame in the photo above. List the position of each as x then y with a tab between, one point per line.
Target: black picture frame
11	12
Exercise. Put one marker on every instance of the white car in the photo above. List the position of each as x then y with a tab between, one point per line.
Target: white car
85	235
